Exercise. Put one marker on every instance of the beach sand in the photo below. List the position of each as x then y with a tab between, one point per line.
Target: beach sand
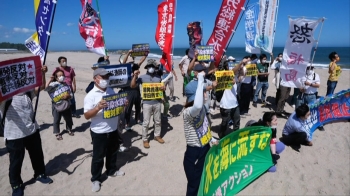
323	169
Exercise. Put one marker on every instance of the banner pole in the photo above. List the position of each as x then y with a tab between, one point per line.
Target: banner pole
223	54
174	18
99	16
319	35
44	61
202	42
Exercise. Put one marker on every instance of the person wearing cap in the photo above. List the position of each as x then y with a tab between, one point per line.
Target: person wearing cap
103	60
197	147
308	92
150	106
69	78
134	94
104	132
263	80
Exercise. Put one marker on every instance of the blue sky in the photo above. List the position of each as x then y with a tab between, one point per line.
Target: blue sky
126	23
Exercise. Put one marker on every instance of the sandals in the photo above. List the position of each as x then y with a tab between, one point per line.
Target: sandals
59	137
70	133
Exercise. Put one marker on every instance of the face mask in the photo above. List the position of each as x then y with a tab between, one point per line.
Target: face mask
103	83
309	72
64	64
280	58
150	70
274	127
61	78
249	62
263	61
206	65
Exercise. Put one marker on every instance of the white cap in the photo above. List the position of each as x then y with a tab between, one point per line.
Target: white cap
230	58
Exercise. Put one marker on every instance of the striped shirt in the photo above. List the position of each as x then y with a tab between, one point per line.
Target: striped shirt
19	117
190	131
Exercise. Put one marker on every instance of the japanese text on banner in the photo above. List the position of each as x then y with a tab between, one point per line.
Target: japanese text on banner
236	161
205	53
115	105
251	19
121	75
140	49
252	70
152	91
224	79
59	92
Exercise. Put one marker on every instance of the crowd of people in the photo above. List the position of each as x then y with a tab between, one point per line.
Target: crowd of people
199	82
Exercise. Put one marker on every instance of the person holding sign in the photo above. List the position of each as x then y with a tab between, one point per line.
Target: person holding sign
167	78
21	132
60	94
183	65
334	72
245	90
197	134
277	63
151	106
104	132
263	80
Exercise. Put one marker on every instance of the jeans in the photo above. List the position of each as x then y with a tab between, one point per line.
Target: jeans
67	116
104	145
284	94
226	116
16	149
73	106
331	87
148	111
193	165
134	98
244	100
295	138
261	86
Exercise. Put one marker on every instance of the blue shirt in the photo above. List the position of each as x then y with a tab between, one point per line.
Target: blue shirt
295	124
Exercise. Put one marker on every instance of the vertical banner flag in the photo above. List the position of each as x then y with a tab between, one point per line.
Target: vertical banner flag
251	19
266	25
19	75
194	32
37	43
90	29
224	26
165	31
238	159
328	109
297	52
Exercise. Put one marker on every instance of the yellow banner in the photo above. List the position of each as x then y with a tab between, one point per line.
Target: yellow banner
224	79
152	91
252	70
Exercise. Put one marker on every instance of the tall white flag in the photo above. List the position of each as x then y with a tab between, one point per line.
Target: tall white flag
297	52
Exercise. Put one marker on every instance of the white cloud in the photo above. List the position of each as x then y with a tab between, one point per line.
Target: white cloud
23	30
70	24
6	36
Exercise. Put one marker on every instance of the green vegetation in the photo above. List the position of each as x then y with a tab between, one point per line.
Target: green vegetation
13	46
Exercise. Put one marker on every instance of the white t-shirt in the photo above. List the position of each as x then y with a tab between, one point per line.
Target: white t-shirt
229	98
185	61
310	79
98	124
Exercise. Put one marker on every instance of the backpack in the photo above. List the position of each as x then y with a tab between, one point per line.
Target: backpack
7	105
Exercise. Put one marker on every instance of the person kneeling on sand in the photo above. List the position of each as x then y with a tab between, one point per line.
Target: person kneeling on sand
294	132
196	150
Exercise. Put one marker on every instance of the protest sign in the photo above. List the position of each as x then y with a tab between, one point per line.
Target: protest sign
140	49
58	92
238	159
205	53
252	70
115	105
121	75
152	91
231	65
201	124
19	75
327	109
224	79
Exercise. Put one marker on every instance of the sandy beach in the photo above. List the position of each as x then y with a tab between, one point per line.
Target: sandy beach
323	169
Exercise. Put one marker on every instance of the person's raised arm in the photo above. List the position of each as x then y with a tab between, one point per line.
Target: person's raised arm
271	57
191	65
133	83
198	99
273	65
126	56
142	60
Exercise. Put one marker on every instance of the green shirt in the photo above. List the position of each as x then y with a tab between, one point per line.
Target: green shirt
263	68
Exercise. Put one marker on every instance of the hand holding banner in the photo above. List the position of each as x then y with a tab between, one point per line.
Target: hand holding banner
19	75
116	104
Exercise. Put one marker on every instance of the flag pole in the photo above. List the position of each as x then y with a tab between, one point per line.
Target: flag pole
99	16
234	31
318	39
44	61
274	27
201	24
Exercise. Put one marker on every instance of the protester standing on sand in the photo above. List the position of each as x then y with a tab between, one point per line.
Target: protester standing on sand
334	72
183	65
277	63
20	133
150	107
195	151
104	132
168	80
69	78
